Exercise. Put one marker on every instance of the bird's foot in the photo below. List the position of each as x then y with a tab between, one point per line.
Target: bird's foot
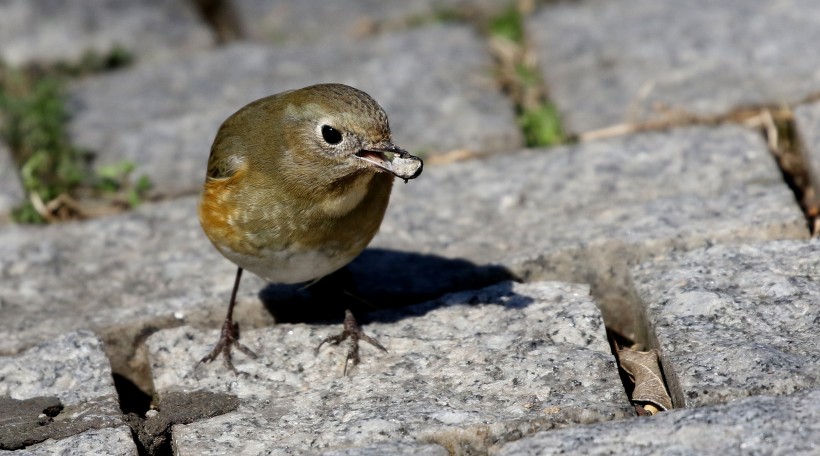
228	339
354	332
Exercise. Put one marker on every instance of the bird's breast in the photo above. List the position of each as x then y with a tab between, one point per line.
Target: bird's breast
287	241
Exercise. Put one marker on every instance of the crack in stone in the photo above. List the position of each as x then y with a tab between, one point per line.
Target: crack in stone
153	431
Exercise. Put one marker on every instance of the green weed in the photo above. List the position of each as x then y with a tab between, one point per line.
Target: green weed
115	179
518	75
541	126
33	121
509	25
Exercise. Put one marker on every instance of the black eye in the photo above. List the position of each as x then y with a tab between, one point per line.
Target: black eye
331	135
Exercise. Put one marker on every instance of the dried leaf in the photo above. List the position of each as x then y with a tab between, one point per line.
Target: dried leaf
645	371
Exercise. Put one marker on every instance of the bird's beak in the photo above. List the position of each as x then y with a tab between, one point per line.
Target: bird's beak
393	160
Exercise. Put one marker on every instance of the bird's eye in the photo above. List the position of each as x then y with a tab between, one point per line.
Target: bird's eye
331	135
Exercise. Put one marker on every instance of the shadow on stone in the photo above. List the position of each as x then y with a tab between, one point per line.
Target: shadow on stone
378	279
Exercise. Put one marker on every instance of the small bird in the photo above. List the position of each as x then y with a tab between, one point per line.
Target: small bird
296	187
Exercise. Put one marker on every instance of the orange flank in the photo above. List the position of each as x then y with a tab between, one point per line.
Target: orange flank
216	211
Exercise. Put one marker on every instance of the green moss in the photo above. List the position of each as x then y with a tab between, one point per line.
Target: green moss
541	126
509	25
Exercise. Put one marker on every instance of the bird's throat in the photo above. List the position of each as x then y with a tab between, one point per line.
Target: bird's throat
347	196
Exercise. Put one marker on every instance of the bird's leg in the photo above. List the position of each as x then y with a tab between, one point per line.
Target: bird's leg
352	331
229	336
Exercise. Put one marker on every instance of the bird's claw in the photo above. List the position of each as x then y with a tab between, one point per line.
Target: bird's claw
228	338
351	330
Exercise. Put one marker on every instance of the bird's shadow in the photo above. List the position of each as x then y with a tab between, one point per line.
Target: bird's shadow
379	280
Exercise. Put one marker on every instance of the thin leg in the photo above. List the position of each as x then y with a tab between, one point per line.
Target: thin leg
352	331
230	334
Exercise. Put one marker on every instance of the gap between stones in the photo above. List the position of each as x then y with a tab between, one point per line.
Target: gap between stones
151	421
615	292
606	268
603	268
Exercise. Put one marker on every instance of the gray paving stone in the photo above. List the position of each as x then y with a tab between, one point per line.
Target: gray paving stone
735	321
48	30
610	62
393	448
489	364
435	84
70	371
597	181
11	188
807	121
761	425
312	21
101	442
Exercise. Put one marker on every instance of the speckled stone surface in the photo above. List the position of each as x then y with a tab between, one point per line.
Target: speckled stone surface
502	361
73	370
736	321
45	30
434	83
71	367
635	188
393	448
761	425
101	442
608	62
